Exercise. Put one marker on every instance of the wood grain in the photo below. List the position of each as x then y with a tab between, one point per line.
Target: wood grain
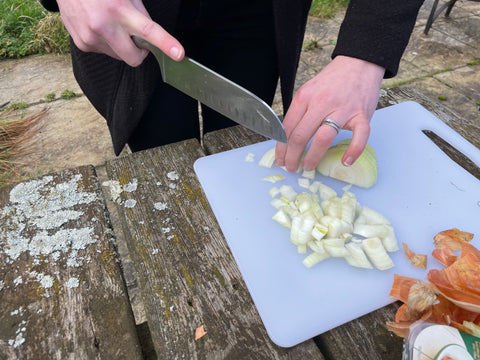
185	270
44	313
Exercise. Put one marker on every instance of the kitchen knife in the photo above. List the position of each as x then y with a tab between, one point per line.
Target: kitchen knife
218	93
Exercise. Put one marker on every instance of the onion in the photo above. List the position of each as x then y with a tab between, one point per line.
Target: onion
362	173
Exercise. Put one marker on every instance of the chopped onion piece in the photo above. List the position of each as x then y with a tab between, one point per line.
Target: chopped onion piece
335	247
302	249
316	246
315	258
282	218
319	231
288	192
274	192
314	186
268	159
357	256
309	174
377	254
370	216
390	242
370	230
303	183
278	203
250	157
326	192
274	178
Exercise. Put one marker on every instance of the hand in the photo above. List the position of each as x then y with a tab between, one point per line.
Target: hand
106	27
346	91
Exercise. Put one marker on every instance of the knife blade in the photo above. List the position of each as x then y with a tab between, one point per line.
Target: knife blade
218	93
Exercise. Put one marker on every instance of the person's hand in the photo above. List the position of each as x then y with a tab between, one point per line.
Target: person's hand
106	27
347	92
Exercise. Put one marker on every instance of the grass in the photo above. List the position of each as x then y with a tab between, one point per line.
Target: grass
26	28
327	9
15	136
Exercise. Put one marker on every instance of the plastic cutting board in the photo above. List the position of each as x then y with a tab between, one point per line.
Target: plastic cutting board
419	189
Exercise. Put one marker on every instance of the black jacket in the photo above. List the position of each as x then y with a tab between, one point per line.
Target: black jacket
376	31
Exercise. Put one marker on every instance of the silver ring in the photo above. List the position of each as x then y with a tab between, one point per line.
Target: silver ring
331	123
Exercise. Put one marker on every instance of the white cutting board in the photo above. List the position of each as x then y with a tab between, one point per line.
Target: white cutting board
419	189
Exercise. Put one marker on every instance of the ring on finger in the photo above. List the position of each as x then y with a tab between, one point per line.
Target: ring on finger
331	123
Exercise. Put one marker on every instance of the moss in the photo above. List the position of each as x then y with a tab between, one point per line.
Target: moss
187	277
67	95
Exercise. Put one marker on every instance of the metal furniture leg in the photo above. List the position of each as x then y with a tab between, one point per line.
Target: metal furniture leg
434	13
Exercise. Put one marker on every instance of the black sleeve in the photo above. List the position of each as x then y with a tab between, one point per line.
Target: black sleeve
50	5
377	31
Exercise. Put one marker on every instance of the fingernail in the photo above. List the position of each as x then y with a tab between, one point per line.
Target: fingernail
348	161
307	168
280	162
175	52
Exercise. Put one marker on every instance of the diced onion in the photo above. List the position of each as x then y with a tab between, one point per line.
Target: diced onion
274	178
376	253
268	159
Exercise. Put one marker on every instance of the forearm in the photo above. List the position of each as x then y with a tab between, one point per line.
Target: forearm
377	31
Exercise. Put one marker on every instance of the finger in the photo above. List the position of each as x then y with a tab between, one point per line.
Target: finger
361	133
320	143
124	48
149	30
292	118
300	137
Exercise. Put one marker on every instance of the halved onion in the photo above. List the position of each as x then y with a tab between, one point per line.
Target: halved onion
362	173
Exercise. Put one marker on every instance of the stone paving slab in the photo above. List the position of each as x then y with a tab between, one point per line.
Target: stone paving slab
72	134
31	79
456	102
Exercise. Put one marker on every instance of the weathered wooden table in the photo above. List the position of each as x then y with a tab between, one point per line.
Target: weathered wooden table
62	290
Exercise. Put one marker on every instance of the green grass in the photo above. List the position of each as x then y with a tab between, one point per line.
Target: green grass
327	9
26	28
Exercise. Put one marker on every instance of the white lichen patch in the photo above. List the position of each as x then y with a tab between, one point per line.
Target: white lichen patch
172	186
160	206
115	189
36	222
131	186
130	203
173	175
44	222
73	282
17	281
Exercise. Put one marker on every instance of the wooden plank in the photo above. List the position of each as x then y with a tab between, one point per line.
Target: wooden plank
61	288
185	270
230	138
